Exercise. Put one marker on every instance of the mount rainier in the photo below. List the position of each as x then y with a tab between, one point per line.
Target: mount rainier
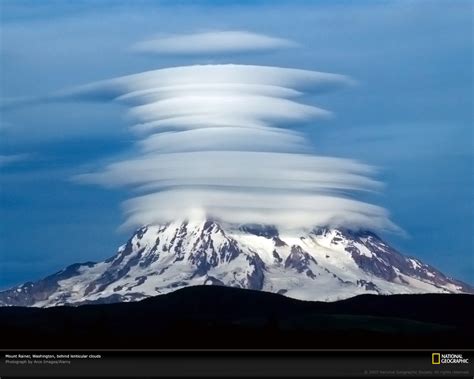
325	264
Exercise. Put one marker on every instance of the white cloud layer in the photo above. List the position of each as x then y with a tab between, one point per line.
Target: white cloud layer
214	42
290	210
242	169
215	79
214	142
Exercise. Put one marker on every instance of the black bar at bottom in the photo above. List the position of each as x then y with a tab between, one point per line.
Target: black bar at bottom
237	364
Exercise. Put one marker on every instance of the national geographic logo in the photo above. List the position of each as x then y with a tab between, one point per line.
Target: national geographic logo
442	359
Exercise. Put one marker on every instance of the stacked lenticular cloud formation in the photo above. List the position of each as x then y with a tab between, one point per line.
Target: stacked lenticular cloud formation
216	141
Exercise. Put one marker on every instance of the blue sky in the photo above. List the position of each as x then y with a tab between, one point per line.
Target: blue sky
410	115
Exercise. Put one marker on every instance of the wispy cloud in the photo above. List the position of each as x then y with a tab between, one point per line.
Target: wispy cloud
6	160
213	42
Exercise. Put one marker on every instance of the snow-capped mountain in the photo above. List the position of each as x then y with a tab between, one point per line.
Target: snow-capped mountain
325	264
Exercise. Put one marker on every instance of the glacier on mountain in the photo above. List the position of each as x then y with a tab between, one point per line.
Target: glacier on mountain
324	264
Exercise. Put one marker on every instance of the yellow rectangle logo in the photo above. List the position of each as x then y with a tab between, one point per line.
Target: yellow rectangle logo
435	358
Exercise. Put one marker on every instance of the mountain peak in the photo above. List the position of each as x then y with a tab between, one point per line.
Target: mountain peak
323	264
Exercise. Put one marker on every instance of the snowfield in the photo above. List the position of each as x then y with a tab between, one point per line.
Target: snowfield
323	264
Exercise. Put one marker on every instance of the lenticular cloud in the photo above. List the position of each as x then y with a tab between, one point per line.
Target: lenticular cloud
231	41
215	141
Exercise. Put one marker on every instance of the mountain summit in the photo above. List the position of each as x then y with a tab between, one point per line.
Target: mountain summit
324	264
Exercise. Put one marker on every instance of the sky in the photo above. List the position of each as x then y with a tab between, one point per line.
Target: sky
410	113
